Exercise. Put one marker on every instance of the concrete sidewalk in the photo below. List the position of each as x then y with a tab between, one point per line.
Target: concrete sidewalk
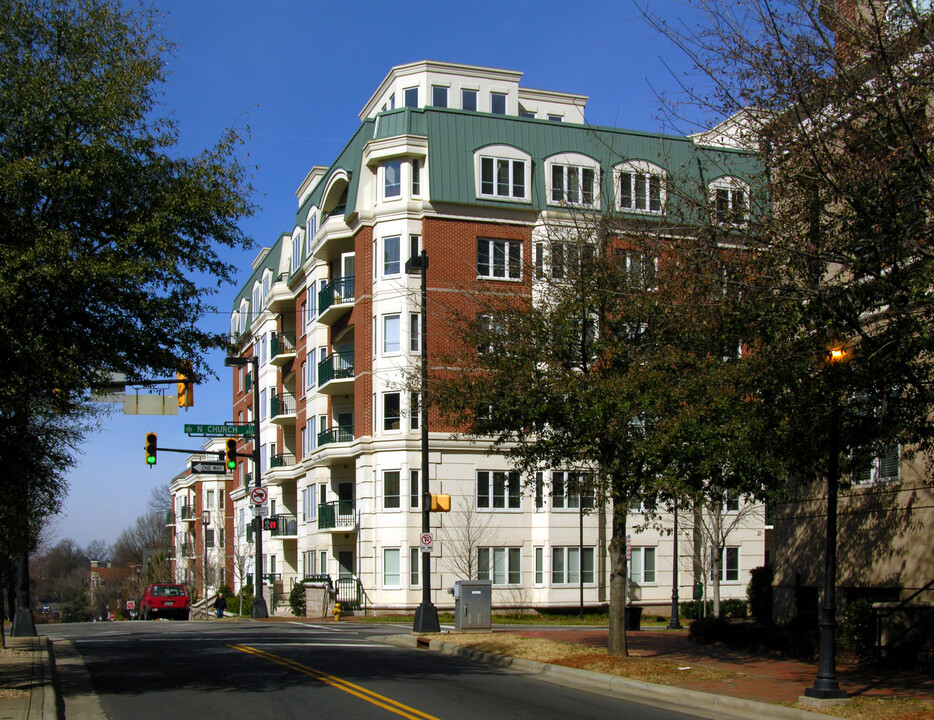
27	687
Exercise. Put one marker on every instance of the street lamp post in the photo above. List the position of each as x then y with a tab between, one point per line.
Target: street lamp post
825	685
674	623
205	521
426	615
259	609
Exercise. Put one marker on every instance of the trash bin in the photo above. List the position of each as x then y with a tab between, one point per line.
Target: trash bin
633	617
473	600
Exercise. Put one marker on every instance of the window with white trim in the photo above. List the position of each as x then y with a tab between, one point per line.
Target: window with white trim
392	179
392	411
392	343
642	566
296	261
439	96
729	564
641	267
469	99
392	499
415	332
498	490
414	490
498	103
539	561
729	198
573	180
503	172
415	561
410	97
640	187
311	228
501	566
414	411
392	263
885	468
499	259
392	575
569	565
569	489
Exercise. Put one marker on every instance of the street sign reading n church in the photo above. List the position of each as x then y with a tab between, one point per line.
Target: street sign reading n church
220	430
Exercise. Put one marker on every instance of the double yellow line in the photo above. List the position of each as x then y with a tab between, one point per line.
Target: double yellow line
348	687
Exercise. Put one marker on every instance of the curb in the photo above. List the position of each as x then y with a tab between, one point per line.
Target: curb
670	697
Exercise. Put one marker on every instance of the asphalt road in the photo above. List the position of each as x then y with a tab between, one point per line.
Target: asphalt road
282	670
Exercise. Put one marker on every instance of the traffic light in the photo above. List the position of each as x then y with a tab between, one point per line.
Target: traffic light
151	447
231	453
271	523
186	388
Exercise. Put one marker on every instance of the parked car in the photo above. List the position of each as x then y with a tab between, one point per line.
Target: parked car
167	601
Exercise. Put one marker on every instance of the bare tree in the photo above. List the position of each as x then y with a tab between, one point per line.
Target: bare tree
466	531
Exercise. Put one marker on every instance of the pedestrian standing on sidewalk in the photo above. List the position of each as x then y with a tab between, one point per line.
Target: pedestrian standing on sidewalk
220	605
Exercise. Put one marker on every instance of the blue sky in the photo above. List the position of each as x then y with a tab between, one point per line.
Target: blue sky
297	73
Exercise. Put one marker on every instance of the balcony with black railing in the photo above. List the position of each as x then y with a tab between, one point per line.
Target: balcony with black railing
170	518
338	434
335	298
336	373
287	526
282	408
187	550
340	516
282	348
187	513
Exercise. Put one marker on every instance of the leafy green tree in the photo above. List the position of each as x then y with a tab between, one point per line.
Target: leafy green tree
109	238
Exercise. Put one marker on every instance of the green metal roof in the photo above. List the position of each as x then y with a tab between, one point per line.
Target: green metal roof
453	136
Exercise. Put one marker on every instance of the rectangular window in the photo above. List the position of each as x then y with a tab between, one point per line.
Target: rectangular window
502	177
641	269
323	562
572	184
439	96
391	341
469	100
414	332
642	565
640	191
209	537
569	566
729	565
392	264
502	566
539	492
498	103
416	178
392	179
209	500
391	572
499	258
414	489
498	490
414	561
410	97
539	566
414	411
391	411
391	496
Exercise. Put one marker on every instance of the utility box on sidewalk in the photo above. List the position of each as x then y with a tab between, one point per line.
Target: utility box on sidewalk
473	600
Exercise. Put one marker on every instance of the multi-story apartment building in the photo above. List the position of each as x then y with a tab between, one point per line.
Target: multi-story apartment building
466	164
203	553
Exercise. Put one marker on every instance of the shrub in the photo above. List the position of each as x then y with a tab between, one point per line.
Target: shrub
792	639
297	600
858	628
734	608
689	608
759	593
76	610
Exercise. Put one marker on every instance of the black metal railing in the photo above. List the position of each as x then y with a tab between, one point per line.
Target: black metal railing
281	461
170	518
337	292
187	512
187	550
282	344
350	593
286	525
339	434
342	513
281	404
336	366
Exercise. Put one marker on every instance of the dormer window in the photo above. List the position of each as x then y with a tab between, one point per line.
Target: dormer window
730	201
502	173
640	187
574	180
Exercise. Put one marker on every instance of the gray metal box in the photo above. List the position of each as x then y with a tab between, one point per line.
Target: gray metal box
473	600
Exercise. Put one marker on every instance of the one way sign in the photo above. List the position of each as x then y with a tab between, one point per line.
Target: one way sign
205	467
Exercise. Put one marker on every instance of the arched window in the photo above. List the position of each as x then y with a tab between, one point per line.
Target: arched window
640	187
729	200
573	179
503	172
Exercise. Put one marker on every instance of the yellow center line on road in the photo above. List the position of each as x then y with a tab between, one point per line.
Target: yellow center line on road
348	687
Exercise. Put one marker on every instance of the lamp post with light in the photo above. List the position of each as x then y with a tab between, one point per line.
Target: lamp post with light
426	614
205	521
259	609
825	685
674	623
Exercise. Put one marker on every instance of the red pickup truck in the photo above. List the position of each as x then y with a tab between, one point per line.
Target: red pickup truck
165	600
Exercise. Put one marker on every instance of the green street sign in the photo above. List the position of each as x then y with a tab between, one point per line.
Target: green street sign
220	430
